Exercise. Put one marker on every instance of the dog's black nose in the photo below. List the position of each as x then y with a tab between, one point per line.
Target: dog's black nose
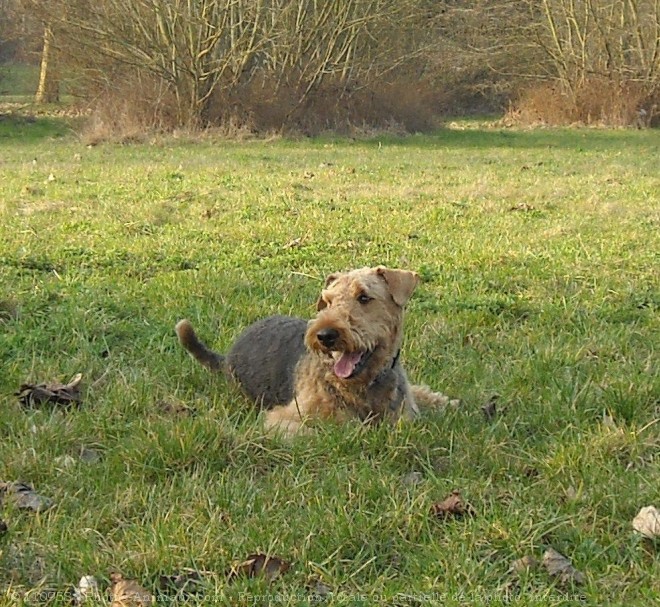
328	336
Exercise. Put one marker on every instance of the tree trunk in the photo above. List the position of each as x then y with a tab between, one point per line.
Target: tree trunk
48	90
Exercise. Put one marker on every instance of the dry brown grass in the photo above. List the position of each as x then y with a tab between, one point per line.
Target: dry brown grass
129	110
596	101
265	105
138	109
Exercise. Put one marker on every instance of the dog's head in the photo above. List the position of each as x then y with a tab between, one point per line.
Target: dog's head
358	328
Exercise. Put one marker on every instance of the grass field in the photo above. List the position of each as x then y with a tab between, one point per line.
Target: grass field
539	254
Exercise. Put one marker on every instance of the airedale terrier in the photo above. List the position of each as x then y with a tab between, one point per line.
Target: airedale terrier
344	363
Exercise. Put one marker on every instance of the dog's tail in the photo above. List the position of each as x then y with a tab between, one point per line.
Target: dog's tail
199	351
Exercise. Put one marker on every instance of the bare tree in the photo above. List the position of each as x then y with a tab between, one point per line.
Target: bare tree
197	47
617	40
48	89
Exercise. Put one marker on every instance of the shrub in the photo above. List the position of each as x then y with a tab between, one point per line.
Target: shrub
139	106
597	101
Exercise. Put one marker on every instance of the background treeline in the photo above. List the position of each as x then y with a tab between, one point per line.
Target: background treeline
331	64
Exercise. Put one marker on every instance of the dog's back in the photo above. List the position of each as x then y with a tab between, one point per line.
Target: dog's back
263	359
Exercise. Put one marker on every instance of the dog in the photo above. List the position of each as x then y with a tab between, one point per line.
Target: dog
343	364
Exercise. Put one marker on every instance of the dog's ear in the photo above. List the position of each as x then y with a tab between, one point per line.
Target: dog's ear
320	304
401	283
331	278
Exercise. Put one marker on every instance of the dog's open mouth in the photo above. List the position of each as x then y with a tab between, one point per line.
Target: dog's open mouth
350	364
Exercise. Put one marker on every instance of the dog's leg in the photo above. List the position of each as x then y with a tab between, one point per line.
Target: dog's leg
199	351
426	397
285	420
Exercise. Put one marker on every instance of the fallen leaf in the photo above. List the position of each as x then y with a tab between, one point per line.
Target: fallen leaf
8	310
292	244
34	395
557	565
522	206
128	593
441	464
609	422
647	522
86	590
184	583
24	497
411	479
32	190
489	409
572	494
526	563
454	505
257	565
530	472
175	408
89	456
318	589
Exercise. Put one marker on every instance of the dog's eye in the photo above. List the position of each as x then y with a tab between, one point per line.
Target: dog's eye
363	298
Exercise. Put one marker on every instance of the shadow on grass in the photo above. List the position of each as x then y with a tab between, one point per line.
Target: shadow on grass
29	129
567	138
25	128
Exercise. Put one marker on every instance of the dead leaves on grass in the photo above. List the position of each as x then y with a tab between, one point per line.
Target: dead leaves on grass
183	584
489	409
558	566
319	590
647	522
86	591
555	564
175	408
179	586
453	506
523	207
259	565
8	310
128	593
524	564
65	395
24	497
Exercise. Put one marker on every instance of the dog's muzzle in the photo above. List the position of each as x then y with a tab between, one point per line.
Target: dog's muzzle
347	365
328	337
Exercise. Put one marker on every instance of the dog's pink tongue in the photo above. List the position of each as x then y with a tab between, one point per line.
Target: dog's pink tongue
345	366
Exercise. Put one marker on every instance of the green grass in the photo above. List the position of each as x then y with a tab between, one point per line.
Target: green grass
539	257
